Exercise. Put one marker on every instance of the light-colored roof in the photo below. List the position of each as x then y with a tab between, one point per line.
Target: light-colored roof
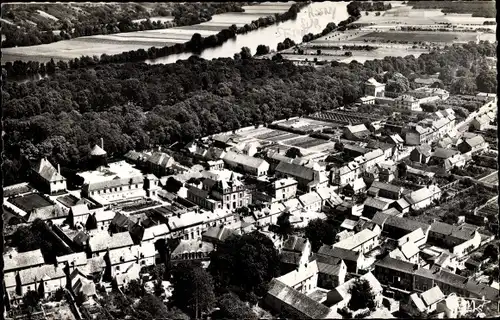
348	224
102	240
356	240
418	302
374	82
192	246
219	233
409	249
103	216
245	160
376	203
358	184
341	292
422	194
160	159
432	296
412	237
29	276
78	259
97	151
80	209
300	274
18	260
444	153
131	253
295	243
47	171
309	198
475	141
357	128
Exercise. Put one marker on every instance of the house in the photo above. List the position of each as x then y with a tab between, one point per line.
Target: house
15	261
374	205
295	253
282	298
385	190
345	174
74	260
308	178
339	297
248	164
99	220
121	259
363	241
150	233
473	145
353	259
446	158
407	102
406	252
117	182
331	271
219	192
192	250
78	214
356	132
387	148
215	165
102	241
132	272
425	302
418	199
421	154
453	306
416	135
458	239
356	187
303	279
311	201
387	171
120	223
82	283
283	189
374	88
417	236
47	178
47	276
472	264
367	100
353	150
328	197
395	273
217	235
481	122
159	163
396	227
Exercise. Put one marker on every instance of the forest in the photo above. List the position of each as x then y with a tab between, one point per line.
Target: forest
106	19
479	8
136	106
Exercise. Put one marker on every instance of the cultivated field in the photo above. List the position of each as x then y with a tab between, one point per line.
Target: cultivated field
418	36
122	42
30	202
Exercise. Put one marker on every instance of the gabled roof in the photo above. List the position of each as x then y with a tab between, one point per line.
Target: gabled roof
102	240
17	260
78	259
386	186
405	224
373	82
357	128
424	149
192	246
356	240
309	198
295	243
243	159
80	209
444	153
220	233
475	141
376	203
417	301
409	249
395	264
160	159
341	253
380	217
47	171
298	301
296	170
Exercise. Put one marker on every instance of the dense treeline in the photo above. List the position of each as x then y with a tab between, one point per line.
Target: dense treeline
136	106
343	25
63	116
196	45
189	14
355	7
288	43
476	8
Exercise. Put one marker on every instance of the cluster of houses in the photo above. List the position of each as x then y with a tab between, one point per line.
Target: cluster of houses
115	221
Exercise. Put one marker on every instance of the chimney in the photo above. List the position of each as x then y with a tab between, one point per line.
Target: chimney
58	168
102	143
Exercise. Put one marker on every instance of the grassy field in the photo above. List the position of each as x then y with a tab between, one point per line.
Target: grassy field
418	36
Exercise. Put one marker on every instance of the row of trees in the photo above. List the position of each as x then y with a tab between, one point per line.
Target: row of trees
476	8
185	14
355	8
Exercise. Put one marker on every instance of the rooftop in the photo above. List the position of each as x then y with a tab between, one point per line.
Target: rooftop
115	170
356	240
102	240
17	260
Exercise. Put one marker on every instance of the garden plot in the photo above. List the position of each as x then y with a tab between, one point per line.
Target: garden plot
418	36
273	133
30	202
282	138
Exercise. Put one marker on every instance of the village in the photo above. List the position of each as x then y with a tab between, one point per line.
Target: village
411	194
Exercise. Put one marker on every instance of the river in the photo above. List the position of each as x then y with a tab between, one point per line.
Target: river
311	19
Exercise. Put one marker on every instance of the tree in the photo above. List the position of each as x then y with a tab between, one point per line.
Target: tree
491	251
245	264
153	306
486	81
193	288
284	227
31	300
245	53
135	289
362	295
262	50
231	307
173	185
463	85
293	153
445	75
320	232
398	83
402	169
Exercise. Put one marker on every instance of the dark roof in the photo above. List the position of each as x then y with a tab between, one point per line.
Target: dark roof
294	243
375	144
376	203
424	149
296	170
380	218
198	192
221	233
405	224
396	264
444	153
47	171
355	148
122	221
298	300
460	232
340	253
386	186
290	257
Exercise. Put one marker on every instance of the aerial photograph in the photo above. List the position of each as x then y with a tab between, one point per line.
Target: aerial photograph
249	160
